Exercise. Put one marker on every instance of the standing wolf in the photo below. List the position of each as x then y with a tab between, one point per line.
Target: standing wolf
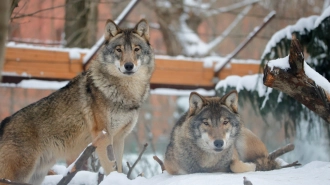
105	97
210	137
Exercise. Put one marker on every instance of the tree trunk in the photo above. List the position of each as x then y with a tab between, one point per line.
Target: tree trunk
295	83
5	11
81	23
168	19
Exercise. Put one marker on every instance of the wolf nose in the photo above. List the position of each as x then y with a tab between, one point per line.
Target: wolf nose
218	143
129	66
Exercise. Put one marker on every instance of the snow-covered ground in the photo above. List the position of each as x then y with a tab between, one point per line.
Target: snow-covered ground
316	172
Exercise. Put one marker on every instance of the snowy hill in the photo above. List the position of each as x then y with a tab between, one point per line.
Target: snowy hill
316	172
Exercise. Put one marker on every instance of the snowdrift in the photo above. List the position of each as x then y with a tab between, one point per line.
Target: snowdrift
316	172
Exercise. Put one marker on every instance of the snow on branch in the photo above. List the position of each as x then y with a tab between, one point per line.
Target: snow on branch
191	42
293	76
230	7
303	26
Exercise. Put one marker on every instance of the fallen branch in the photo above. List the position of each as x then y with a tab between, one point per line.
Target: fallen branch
288	148
100	177
280	151
296	163
130	168
6	181
294	82
160	162
78	164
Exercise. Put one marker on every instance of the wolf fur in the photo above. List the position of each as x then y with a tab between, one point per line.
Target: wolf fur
106	97
210	137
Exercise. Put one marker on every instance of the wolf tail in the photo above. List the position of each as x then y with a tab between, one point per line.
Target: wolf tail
270	162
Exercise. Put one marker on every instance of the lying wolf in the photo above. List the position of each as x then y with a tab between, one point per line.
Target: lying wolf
210	137
106	97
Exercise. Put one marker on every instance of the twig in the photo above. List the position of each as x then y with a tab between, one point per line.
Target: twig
100	177
281	151
78	164
160	162
130	168
296	163
6	181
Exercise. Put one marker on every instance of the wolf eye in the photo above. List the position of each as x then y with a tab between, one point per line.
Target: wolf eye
206	123
137	49
118	49
225	122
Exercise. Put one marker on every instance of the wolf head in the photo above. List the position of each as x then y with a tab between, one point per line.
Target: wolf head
125	51
214	122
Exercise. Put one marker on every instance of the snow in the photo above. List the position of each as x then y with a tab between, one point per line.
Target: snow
318	79
209	61
37	84
248	82
302	26
178	92
191	42
74	53
282	63
316	172
325	14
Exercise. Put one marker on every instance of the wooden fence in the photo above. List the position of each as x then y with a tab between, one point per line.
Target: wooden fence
57	64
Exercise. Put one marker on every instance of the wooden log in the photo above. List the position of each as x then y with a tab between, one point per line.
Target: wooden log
295	83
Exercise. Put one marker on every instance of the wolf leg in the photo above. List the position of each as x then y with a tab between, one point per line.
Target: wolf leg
17	163
119	150
238	166
102	153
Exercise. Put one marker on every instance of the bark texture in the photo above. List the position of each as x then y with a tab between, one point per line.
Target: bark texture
295	83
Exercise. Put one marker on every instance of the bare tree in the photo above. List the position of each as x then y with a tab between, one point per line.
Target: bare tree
6	9
179	22
81	23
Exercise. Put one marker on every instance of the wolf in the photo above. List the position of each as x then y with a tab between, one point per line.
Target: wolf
107	97
210	137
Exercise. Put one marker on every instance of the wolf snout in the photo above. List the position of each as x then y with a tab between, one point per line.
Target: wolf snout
129	66
218	143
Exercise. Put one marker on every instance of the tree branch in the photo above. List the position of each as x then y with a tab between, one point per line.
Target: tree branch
296	163
130	168
281	151
295	83
78	164
160	162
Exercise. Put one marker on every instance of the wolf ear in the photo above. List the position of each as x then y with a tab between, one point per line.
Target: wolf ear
196	102
142	29
231	100
111	29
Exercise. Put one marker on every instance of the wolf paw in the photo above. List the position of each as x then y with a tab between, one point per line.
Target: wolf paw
241	167
110	167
